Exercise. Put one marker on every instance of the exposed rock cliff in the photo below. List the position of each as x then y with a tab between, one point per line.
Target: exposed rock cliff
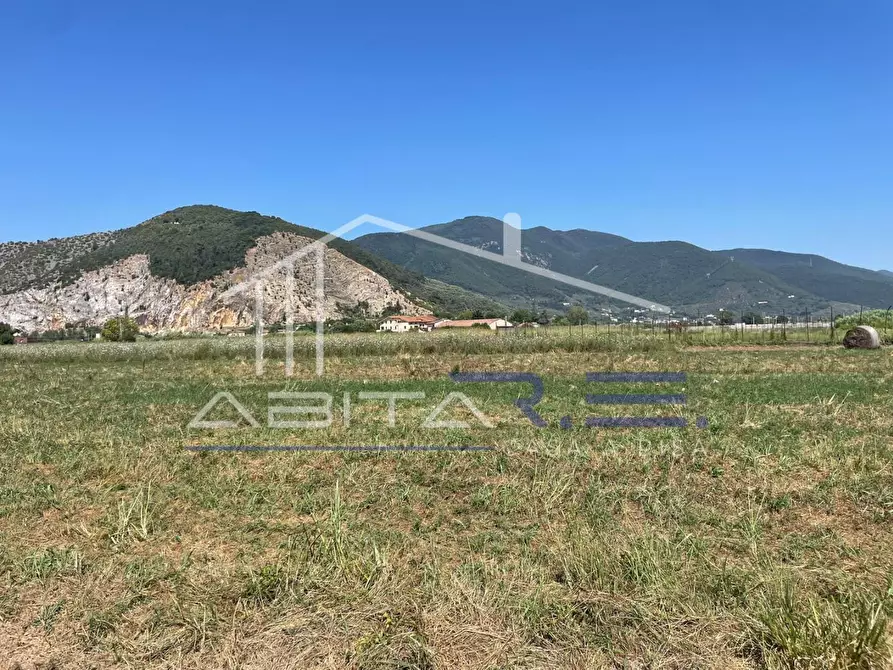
162	304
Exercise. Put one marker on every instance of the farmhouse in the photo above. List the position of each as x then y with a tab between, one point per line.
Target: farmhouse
402	324
492	324
20	339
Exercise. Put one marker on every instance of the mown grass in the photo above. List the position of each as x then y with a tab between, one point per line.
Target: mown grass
576	339
761	541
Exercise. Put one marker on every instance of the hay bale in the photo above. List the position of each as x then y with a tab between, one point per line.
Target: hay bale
862	337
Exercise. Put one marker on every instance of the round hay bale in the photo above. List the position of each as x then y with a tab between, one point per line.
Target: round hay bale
862	337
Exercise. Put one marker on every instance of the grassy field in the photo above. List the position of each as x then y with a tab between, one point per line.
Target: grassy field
760	541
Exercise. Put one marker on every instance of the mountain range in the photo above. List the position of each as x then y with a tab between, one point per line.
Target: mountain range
173	271
678	274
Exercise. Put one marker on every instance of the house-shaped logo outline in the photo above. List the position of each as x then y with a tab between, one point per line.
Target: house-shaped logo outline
510	256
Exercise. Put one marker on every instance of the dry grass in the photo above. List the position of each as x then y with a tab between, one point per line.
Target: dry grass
762	541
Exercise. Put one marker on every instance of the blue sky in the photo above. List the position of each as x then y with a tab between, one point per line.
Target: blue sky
762	123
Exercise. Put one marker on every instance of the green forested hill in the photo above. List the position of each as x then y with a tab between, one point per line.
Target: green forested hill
677	274
188	244
822	276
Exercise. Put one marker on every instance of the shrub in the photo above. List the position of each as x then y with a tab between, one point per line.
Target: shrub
6	336
881	319
120	329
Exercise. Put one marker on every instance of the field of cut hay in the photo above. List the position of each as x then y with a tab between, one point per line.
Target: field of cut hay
761	540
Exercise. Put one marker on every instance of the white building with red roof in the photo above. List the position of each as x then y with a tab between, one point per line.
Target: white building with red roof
402	323
492	324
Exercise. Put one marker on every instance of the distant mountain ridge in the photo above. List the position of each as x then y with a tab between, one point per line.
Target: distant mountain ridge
170	270
821	276
678	274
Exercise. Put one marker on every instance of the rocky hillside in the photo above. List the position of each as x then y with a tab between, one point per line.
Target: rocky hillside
163	304
171	272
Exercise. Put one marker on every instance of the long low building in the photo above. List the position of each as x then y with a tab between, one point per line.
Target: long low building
402	324
492	324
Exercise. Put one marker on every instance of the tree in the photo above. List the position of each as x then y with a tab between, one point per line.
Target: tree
751	318
120	329
577	315
6	336
522	316
465	314
726	318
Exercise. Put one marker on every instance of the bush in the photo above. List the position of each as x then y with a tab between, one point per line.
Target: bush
6	336
120	329
879	318
523	316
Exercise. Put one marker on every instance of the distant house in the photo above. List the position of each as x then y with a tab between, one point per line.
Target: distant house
20	339
492	324
402	324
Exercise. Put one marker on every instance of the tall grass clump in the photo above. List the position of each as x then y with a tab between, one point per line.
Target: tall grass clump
806	632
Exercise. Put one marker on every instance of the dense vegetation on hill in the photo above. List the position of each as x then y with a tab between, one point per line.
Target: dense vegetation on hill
188	244
678	274
38	264
196	243
822	276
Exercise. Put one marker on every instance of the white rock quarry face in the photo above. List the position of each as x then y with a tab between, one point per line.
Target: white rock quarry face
161	304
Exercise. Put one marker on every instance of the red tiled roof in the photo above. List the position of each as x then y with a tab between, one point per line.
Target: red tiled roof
467	323
426	318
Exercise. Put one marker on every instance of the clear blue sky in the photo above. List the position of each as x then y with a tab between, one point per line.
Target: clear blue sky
737	123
